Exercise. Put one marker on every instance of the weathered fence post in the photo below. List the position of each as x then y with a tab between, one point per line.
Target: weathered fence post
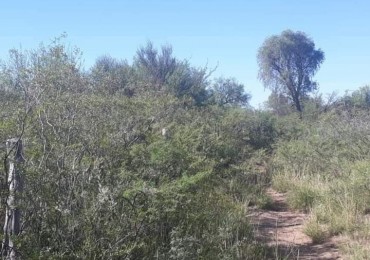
14	187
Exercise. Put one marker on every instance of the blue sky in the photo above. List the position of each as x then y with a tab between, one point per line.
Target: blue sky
226	33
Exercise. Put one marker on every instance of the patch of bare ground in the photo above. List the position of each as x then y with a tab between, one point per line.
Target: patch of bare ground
282	230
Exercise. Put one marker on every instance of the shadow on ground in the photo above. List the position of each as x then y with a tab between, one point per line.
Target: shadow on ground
281	230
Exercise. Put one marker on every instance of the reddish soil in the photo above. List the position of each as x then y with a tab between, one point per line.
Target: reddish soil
282	229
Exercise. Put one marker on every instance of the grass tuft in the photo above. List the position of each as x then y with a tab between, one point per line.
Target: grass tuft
315	231
303	197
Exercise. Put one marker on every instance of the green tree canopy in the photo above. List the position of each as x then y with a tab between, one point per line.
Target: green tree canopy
112	76
287	64
227	91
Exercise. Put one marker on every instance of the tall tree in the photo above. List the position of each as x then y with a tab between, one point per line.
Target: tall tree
287	64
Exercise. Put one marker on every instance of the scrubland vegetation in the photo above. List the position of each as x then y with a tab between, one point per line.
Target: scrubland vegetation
325	170
158	160
150	160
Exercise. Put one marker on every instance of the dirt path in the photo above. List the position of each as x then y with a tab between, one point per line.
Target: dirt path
282	229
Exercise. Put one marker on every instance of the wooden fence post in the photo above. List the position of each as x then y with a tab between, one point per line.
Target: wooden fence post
14	187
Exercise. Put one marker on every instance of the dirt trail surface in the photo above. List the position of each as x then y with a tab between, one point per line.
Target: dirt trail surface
282	229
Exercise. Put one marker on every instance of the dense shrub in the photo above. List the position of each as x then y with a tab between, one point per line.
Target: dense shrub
155	172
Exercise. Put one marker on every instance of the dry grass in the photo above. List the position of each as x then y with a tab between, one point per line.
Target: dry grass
316	231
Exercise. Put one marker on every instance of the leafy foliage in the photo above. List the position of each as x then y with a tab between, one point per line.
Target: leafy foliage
103	181
229	92
287	64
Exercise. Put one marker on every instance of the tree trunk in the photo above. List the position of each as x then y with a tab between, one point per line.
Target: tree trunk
15	186
298	105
